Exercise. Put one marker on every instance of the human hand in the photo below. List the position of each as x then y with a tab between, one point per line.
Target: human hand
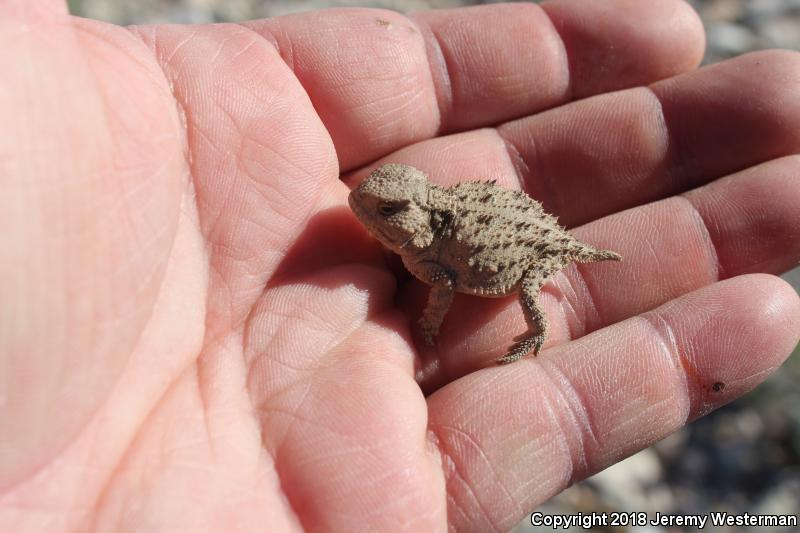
198	335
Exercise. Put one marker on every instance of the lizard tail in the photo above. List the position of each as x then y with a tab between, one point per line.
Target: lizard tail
589	254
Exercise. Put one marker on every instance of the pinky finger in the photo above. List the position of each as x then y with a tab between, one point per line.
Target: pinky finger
511	437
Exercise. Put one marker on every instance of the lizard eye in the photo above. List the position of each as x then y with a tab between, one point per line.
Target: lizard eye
388	209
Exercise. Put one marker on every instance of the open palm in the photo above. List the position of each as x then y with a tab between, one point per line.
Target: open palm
197	335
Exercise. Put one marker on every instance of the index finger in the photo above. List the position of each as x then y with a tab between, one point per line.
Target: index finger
380	80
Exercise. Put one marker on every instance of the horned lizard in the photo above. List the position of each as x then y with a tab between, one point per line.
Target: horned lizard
475	238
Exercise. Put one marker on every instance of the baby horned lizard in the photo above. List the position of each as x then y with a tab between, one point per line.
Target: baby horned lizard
474	237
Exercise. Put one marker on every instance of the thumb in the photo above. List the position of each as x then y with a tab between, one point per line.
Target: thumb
89	189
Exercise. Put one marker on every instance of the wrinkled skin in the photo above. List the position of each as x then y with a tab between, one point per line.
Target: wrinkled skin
197	335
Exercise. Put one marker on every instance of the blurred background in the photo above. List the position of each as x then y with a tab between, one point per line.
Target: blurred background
744	457
733	26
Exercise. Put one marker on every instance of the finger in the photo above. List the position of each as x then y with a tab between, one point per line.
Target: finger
747	222
591	32
752	218
594	157
537	58
380	80
616	151
511	437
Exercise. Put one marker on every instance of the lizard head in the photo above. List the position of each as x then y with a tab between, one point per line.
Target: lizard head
392	203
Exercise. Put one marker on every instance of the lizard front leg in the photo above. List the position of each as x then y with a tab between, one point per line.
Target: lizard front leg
440	297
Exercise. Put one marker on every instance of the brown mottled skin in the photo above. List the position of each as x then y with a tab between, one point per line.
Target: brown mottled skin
474	237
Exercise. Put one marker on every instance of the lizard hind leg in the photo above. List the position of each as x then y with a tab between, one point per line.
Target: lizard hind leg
534	337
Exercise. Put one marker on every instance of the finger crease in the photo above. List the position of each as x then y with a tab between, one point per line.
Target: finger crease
437	61
580	423
679	155
684	369
591	317
526	169
453	471
567	67
717	270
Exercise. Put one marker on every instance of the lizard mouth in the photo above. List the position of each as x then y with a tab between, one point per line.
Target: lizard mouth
407	241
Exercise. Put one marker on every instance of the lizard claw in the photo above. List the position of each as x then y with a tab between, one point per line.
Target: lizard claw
524	344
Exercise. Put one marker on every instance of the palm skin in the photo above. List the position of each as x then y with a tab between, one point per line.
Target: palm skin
197	335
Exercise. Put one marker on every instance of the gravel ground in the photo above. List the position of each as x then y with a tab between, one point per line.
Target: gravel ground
733	26
745	456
